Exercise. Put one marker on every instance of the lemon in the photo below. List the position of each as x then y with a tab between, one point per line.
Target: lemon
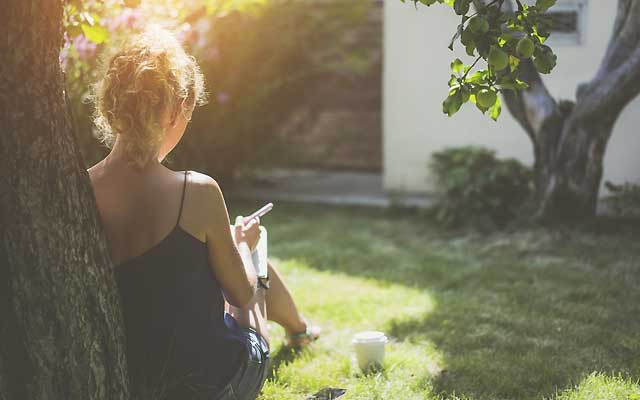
498	59
525	47
486	98
467	37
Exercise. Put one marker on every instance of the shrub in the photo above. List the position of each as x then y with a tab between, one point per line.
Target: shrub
474	186
624	199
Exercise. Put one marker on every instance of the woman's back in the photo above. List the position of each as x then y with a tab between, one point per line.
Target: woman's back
177	341
139	208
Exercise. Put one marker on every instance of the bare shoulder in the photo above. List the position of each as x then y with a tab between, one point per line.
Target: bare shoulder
208	209
199	179
203	184
204	190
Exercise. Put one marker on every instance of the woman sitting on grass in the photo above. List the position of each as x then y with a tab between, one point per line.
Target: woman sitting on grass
195	315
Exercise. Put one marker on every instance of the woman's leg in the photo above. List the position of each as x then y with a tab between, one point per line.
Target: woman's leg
277	305
254	315
281	308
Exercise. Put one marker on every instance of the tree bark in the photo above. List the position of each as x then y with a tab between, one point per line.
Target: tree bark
61	331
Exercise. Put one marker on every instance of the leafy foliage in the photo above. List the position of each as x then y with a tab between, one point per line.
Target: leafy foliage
503	40
260	73
477	187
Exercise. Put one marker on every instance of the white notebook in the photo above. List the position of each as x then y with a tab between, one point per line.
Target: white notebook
259	255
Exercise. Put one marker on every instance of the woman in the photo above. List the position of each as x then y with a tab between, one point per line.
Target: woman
194	313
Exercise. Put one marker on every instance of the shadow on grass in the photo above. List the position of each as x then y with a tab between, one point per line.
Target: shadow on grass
517	315
282	356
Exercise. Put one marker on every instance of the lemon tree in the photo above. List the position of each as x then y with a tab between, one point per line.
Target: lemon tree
501	41
514	55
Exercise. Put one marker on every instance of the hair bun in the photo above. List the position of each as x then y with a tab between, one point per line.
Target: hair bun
147	75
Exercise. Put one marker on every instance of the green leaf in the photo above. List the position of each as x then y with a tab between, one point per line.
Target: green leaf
470	49
545	60
514	62
465	93
96	34
461	7
477	77
516	85
452	104
496	109
539	33
544	5
457	65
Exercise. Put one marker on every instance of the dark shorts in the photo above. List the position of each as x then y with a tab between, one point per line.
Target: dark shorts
247	383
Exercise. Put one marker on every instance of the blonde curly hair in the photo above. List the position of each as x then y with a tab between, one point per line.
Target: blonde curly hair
148	75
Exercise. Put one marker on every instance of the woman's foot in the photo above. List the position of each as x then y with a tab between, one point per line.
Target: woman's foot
298	340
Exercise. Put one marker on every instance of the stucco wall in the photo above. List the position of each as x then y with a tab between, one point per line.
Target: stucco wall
416	70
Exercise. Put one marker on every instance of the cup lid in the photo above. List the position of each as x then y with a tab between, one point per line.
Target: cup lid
369	337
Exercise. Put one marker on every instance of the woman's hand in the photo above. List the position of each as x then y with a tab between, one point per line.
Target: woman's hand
249	233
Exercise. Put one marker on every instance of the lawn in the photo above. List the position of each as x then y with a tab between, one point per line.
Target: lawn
529	314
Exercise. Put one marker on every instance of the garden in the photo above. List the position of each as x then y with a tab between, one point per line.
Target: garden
509	286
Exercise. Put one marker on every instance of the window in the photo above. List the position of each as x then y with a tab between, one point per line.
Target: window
569	21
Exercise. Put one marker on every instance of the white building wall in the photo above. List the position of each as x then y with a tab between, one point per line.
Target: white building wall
416	71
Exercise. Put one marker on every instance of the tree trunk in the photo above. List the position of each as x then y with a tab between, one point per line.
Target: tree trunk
570	173
569	149
571	190
61	334
570	139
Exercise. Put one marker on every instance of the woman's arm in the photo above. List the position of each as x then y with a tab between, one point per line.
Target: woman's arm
230	260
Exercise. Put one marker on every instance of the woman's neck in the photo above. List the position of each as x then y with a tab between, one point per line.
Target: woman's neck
119	157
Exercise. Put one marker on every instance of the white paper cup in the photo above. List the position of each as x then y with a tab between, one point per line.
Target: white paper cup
369	347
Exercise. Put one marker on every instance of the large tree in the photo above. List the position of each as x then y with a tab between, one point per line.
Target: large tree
569	138
61	332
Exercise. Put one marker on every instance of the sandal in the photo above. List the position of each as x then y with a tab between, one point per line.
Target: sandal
302	339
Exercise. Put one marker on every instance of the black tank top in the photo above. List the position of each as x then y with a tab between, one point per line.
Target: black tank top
178	344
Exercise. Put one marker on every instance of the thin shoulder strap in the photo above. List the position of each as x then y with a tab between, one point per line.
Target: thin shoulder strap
184	188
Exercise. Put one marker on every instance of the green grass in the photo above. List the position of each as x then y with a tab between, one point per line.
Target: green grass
529	314
600	386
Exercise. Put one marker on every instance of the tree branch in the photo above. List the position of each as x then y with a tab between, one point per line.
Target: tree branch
617	81
625	36
613	91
